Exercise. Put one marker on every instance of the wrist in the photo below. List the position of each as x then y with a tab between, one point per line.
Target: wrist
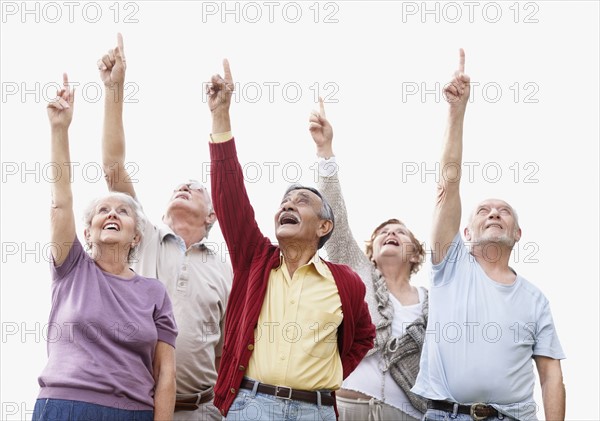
221	122
59	129
114	93
326	152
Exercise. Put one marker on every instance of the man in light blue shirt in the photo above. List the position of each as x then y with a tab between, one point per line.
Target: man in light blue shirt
486	322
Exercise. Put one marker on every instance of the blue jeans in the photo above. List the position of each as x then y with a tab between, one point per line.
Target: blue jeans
252	406
437	415
65	410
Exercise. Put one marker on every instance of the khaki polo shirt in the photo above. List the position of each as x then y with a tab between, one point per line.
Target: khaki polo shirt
198	281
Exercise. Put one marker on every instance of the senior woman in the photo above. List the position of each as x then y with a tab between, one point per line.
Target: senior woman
111	350
379	388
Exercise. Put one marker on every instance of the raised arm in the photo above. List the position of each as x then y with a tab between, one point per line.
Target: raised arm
447	212
230	200
112	72
62	219
341	247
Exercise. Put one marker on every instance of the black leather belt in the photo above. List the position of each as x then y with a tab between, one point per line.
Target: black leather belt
288	393
477	411
193	401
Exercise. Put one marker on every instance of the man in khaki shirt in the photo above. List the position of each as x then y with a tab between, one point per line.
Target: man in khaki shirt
197	279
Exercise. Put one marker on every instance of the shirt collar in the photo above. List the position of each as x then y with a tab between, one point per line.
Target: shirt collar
165	231
316	261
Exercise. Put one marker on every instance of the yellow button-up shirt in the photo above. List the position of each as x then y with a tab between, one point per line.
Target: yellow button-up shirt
296	335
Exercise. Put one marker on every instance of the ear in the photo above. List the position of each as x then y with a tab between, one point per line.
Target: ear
414	258
467	234
518	235
135	241
86	235
211	218
325	227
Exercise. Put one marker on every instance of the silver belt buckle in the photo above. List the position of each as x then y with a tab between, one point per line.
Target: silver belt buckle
473	411
278	388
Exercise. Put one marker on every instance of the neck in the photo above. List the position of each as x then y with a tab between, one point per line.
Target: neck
186	228
113	259
397	276
394	272
296	255
493	259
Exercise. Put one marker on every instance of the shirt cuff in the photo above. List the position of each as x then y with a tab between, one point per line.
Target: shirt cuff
220	137
328	167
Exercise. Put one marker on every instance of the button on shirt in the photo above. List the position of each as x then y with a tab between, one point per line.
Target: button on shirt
296	335
198	281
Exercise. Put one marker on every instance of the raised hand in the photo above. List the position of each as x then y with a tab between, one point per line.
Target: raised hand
60	110
458	90
321	131
112	65
219	90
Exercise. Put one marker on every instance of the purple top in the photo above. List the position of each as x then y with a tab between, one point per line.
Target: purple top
102	334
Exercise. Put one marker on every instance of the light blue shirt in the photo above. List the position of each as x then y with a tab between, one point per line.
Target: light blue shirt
482	335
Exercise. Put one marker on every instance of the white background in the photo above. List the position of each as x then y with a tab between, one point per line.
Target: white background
535	109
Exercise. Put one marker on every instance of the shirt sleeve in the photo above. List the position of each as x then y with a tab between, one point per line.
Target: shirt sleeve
444	271
75	256
547	343
165	320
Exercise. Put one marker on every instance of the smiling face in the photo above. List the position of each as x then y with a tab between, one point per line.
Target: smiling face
113	221
493	221
299	219
393	240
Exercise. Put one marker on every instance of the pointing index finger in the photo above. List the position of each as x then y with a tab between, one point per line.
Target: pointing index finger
65	81
227	71
461	64
322	107
120	45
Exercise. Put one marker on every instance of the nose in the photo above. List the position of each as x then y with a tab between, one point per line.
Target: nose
494	213
288	205
112	214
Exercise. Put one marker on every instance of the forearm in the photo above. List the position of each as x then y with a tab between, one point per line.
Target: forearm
452	150
164	398
62	196
113	135
232	205
448	210
341	247
113	142
554	397
221	121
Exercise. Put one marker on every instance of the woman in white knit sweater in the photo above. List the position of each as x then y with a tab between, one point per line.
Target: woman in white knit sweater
379	388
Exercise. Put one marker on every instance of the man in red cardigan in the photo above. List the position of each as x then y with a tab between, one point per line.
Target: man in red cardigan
296	326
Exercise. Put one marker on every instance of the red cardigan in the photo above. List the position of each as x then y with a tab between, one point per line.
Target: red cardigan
253	256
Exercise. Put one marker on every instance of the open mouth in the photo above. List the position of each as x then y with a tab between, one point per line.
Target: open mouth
111	226
494	225
392	242
288	219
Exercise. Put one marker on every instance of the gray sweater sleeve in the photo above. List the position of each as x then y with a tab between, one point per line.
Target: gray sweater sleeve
342	247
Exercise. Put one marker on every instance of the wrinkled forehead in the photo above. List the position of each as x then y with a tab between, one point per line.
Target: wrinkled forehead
494	203
302	193
113	202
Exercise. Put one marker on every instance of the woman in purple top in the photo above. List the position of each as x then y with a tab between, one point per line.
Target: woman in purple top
111	332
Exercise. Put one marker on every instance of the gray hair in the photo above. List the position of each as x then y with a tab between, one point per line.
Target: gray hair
326	212
138	213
